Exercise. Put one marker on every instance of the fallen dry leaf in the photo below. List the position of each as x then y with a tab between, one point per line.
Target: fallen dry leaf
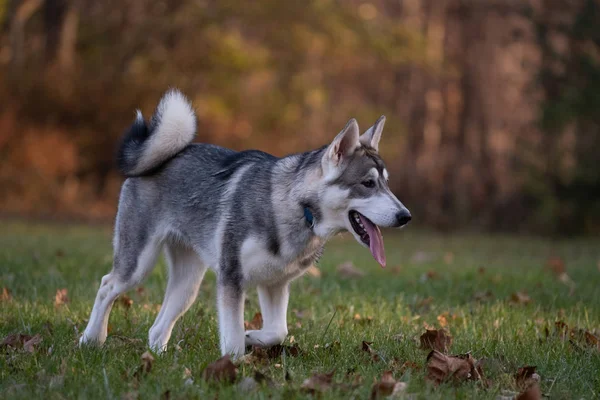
314	271
532	393
222	370
428	276
19	340
441	368
525	377
147	362
125	301
562	329
387	386
434	339
30	344
348	270
366	347
61	297
520	298
255	324
59	253
317	383
277	350
443	320
5	295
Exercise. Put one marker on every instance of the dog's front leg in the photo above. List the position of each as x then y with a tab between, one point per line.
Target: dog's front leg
230	304
273	306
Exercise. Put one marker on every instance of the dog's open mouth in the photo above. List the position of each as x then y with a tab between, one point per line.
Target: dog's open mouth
369	234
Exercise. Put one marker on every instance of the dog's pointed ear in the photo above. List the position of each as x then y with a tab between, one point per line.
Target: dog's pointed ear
372	136
344	144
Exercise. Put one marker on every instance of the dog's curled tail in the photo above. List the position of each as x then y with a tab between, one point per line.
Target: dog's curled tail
146	146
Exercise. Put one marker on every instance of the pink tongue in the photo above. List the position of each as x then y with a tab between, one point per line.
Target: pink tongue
376	245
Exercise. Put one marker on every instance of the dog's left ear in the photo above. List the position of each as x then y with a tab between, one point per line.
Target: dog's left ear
371	137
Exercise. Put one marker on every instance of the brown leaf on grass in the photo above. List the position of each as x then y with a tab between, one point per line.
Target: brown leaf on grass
591	339
277	350
348	270
429	276
125	301
61	297
520	298
532	393
585	337
434	339
60	253
255	324
314	271
443	319
317	383
387	386
526	377
562	330
147	362
441	368
366	347
15	340
222	370
358	318
30	344
5	295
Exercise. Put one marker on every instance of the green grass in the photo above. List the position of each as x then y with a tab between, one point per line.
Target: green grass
36	260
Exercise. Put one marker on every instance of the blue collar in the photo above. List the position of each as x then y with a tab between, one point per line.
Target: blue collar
309	217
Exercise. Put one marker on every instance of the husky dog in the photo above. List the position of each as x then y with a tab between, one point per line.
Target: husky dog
255	219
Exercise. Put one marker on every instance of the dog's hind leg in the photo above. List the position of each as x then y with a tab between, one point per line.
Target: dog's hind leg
133	260
185	276
273	306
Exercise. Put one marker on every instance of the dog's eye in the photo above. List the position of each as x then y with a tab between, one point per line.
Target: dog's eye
370	183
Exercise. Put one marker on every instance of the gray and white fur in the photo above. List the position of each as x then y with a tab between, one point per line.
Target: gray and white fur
241	214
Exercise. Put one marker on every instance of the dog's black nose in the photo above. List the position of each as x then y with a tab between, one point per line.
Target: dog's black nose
403	217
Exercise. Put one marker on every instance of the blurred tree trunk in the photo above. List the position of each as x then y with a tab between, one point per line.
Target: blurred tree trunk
24	11
61	21
68	38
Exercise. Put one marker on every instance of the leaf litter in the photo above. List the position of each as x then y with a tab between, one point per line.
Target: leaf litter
61	298
434	339
457	368
222	370
21	341
387	386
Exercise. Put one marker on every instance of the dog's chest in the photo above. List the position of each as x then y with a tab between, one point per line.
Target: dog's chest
260	266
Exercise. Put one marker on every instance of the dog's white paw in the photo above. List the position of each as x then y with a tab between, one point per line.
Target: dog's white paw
86	340
264	338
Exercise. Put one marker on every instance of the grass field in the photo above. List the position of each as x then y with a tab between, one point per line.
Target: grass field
464	282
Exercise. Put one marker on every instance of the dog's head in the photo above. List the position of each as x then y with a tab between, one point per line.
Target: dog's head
355	195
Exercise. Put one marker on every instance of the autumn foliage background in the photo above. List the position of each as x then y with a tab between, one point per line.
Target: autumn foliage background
492	106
